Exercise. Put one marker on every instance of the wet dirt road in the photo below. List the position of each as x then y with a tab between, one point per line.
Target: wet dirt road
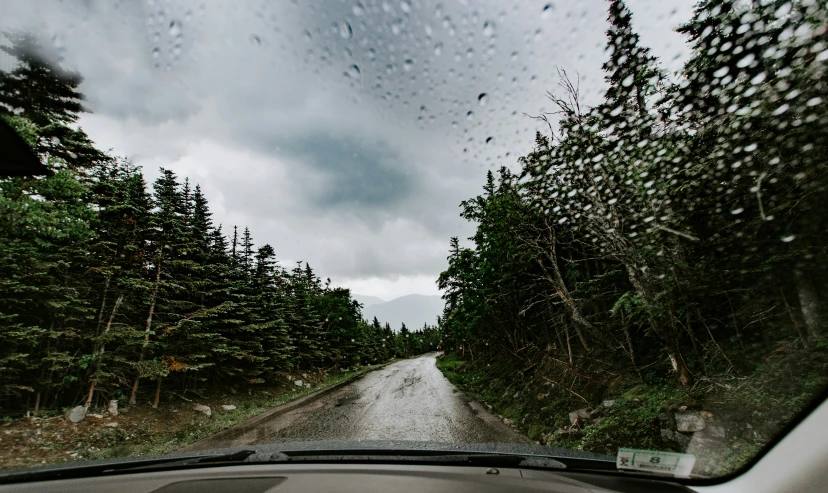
408	400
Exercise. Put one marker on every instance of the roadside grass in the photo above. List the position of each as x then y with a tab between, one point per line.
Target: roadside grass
164	443
143	431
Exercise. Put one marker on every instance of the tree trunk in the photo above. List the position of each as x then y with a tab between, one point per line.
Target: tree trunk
668	337
808	303
148	327
100	351
556	279
157	395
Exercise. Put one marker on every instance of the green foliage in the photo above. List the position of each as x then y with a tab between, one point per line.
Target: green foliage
108	284
671	236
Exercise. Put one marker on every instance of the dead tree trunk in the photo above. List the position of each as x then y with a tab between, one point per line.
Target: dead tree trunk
147	328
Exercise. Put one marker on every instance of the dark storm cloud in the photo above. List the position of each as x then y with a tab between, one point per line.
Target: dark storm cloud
359	174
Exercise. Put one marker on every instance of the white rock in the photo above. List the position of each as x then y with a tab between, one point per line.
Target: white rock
76	414
99	416
113	407
228	407
689	421
111	425
203	409
578	415
609	403
298	383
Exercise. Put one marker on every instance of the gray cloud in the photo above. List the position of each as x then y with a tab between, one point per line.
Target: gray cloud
343	133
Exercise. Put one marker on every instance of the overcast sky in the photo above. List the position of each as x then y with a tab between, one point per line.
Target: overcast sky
343	133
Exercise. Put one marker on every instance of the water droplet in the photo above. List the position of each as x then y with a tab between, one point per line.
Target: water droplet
788	239
358	9
308	35
438	48
389	68
489	140
353	73
469	115
488	29
405	6
345	31
409	64
156	52
175	28
428	31
255	39
482	99
547	11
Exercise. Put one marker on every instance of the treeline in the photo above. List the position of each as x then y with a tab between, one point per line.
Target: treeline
674	232
110	289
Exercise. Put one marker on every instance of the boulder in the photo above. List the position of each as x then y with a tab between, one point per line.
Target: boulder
203	409
76	414
298	383
689	421
228	407
578	416
113	407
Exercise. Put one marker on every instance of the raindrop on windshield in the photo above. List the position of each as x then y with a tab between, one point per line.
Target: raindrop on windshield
405	6
175	28
547	11
156	52
483	99
488	29
438	48
345	31
469	115
489	140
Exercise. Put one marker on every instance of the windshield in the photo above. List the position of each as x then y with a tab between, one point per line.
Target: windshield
592	228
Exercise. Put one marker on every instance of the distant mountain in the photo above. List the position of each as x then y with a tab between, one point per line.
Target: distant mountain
367	300
414	309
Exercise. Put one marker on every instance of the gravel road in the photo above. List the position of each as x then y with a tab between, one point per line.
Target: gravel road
408	400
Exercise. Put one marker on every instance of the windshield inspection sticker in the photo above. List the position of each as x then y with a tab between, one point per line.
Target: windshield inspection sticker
678	465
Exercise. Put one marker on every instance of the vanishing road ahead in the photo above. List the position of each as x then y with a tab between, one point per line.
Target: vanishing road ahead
408	400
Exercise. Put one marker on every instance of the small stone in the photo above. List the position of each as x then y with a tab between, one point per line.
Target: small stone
609	403
298	383
597	421
578	416
113	424
228	407
203	409
113	407
706	415
507	421
98	416
517	394
307	385
689	422
748	426
76	414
